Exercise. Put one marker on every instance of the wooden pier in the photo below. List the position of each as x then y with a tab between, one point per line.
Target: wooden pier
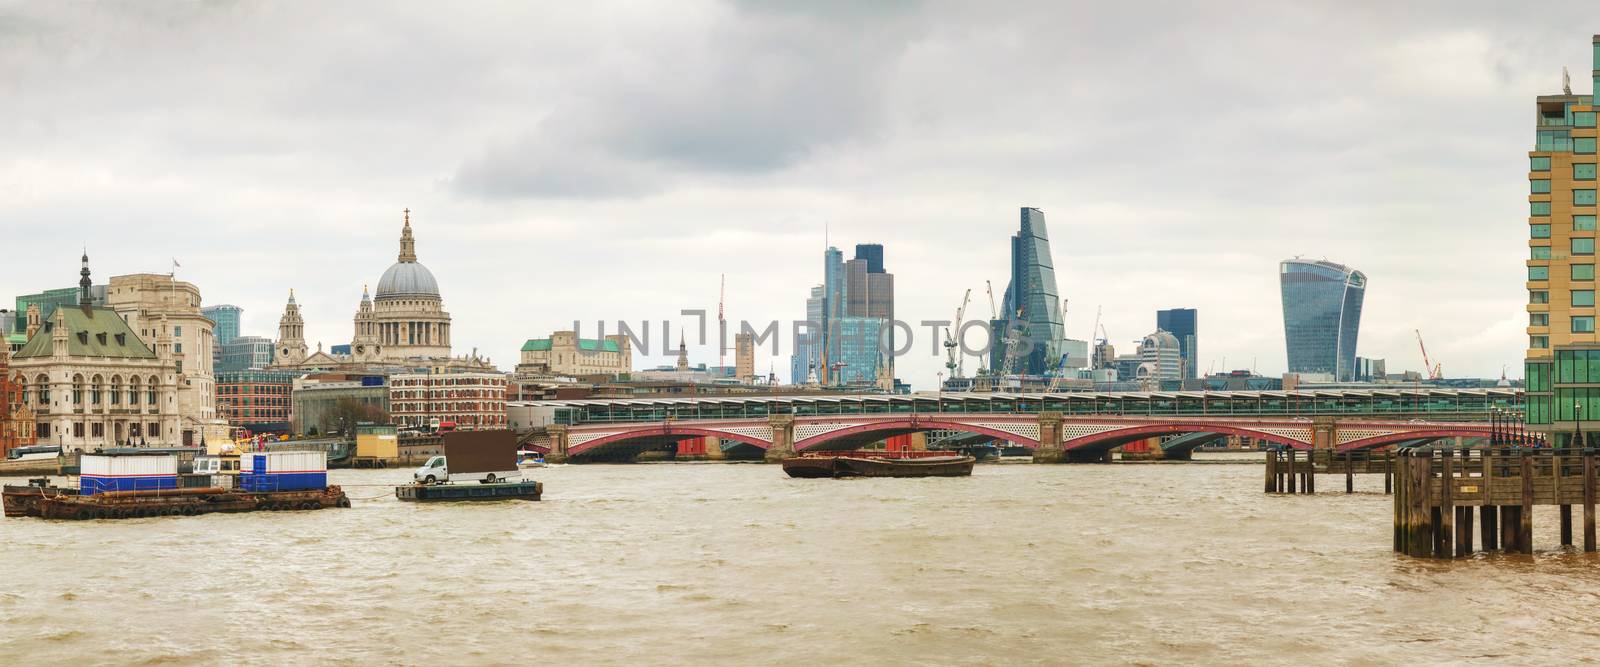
1295	471
1437	489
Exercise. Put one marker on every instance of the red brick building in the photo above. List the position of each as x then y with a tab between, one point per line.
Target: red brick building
256	400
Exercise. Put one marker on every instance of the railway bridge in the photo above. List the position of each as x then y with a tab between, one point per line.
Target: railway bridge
1057	427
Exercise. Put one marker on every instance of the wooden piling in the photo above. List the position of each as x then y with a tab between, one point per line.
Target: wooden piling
1588	500
1525	515
1349	473
1445	516
1464	530
1291	457
1490	526
1272	470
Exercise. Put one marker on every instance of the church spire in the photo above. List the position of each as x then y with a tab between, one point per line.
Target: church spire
85	301
408	245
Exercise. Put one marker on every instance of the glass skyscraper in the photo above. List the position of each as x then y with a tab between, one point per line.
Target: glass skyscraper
1032	306
1183	324
851	309
1321	316
226	317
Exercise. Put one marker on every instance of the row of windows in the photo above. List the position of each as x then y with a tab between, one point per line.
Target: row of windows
1580	297
1562	141
1580	223
1579	271
1580	197
1580	172
1580	245
1580	324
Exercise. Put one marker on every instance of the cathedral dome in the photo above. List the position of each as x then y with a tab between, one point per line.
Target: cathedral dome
407	279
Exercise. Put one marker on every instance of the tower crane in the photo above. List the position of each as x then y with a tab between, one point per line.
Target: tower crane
1434	371
722	324
956	362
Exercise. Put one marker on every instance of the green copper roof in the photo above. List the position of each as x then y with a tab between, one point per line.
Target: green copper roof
543	345
100	332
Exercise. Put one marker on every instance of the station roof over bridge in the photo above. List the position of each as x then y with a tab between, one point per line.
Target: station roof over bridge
1396	402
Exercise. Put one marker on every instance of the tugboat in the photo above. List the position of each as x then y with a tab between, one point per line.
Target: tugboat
879	464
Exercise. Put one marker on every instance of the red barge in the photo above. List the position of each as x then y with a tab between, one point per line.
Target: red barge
879	464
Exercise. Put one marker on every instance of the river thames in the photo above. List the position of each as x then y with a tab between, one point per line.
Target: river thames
737	564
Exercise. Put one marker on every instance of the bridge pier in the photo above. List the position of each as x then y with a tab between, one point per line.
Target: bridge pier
782	438
1050	438
560	439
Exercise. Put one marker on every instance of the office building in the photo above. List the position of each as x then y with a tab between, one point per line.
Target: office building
49	299
158	304
1563	357
1183	324
243	353
329	403
744	357
226	318
468	401
1160	357
1031	310
1321	316
256	400
564	353
852	310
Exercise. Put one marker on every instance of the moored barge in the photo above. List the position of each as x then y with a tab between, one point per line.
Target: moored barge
879	464
126	486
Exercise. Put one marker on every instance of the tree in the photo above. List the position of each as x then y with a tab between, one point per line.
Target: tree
347	412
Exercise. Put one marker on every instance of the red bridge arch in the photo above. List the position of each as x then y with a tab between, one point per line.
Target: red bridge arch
1122	436
665	431
909	424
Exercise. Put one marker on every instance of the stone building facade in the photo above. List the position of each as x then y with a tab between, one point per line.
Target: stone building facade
91	380
155	305
564	353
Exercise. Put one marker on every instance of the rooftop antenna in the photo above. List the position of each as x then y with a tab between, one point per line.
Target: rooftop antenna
722	324
1566	81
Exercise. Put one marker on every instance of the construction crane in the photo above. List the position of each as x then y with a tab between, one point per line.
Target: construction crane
722	324
1434	371
1094	345
956	362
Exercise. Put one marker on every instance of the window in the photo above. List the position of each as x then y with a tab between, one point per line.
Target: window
1539	163
1538	273
1583	272
1583	197
1583	172
1583	223
177	332
1583	246
1539	252
1539	342
1539	231
77	430
1583	297
1583	118
177	348
1591	245
1539	186
1583	146
1553	140
1538	319
1583	324
1538	296
1539	208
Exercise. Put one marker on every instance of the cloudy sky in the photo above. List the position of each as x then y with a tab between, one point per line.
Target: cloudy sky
612	159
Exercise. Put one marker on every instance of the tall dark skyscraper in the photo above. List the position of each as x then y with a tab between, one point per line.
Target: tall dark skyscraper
1321	316
1032	305
852	308
1183	324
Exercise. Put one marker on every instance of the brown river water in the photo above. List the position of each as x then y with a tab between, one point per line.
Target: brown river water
737	564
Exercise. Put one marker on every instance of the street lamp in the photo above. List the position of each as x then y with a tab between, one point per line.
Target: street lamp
1577	413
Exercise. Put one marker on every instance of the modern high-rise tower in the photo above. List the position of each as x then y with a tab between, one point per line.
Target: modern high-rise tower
1183	324
1321	316
1031	311
226	317
1563	357
852	309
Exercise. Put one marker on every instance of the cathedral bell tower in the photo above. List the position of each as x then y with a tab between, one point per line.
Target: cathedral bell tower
290	349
